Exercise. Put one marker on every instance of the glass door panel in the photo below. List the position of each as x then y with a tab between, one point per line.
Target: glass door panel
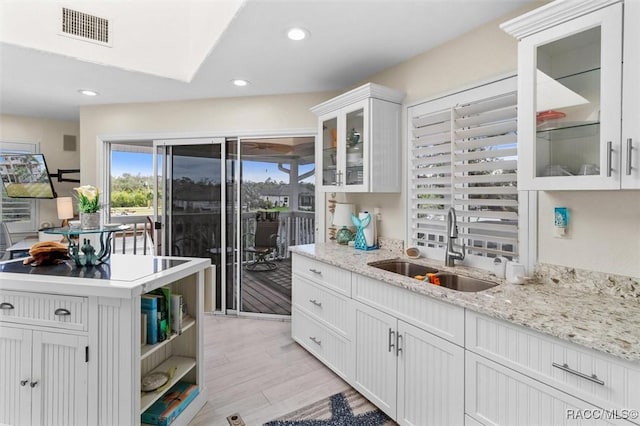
354	137
329	151
568	90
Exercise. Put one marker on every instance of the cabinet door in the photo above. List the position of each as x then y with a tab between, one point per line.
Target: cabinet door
59	377
430	379
327	151
15	375
357	143
376	358
497	395
631	97
569	104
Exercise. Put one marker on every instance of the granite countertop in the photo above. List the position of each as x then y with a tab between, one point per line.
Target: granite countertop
598	321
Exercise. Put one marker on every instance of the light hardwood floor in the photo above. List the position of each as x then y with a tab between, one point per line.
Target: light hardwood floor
255	369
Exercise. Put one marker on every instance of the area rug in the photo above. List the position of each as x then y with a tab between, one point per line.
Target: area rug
348	408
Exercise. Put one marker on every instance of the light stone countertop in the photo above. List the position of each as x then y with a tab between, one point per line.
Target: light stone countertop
597	321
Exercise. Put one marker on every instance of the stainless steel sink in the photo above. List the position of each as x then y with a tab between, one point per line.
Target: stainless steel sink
462	283
402	267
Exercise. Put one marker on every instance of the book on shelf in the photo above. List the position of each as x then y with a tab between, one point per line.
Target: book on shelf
143	328
149	307
171	404
177	313
164	312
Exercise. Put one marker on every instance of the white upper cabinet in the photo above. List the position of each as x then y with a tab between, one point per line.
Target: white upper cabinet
358	147
570	89
631	97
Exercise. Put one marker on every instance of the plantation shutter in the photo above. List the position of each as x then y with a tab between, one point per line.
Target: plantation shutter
465	156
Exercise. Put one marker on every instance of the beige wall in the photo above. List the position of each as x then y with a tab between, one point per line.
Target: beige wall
212	117
605	230
49	134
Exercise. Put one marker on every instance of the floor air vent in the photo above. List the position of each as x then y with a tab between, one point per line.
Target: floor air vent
84	26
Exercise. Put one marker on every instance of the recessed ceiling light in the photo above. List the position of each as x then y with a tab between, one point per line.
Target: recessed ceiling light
88	92
297	34
239	82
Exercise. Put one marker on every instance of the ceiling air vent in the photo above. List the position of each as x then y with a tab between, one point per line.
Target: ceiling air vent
84	26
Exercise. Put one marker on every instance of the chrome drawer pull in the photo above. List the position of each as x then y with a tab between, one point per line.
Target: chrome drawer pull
391	339
316	341
315	271
315	302
609	154
629	153
62	312
6	305
564	367
24	382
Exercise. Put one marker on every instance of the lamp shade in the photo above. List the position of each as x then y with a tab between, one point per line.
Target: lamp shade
342	214
65	207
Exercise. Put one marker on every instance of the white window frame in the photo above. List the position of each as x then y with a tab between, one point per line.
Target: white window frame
31	225
527	200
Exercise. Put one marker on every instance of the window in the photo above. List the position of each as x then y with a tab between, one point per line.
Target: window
463	154
19	213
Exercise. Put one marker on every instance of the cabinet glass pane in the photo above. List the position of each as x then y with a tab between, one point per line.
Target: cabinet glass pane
568	105
329	151
354	174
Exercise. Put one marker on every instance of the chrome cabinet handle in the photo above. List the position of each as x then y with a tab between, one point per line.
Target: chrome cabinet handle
315	302
33	384
339	175
391	339
315	271
316	341
609	153
629	153
62	312
24	382
398	342
6	305
564	367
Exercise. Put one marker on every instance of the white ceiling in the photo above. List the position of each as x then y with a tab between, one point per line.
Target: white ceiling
349	41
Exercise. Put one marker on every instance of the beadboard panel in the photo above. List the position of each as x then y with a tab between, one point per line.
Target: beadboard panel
533	354
384	129
109	364
440	318
430	379
323	305
332	277
496	395
376	358
60	370
40	308
15	400
328	347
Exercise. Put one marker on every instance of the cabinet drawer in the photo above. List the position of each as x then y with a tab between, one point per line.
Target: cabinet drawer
496	395
330	276
47	310
328	347
322	304
440	318
563	365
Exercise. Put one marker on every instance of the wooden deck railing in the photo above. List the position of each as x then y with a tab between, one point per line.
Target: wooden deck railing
294	228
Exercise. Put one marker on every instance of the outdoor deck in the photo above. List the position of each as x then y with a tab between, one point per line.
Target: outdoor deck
268	292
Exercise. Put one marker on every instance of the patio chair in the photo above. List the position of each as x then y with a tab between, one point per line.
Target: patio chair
5	241
262	244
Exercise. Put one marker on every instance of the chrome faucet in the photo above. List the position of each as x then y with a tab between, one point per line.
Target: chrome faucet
452	233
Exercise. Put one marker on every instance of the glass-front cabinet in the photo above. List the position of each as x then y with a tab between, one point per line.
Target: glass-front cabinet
569	108
358	146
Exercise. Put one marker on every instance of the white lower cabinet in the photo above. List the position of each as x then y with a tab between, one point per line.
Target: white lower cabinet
413	376
43	379
497	395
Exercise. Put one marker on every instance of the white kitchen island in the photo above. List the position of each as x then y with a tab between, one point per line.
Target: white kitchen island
70	340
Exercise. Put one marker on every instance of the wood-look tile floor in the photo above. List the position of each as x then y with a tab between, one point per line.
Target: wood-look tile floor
255	369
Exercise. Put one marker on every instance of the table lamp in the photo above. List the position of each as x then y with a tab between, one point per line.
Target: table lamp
342	217
65	209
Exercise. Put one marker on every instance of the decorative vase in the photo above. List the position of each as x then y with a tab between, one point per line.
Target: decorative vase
90	220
